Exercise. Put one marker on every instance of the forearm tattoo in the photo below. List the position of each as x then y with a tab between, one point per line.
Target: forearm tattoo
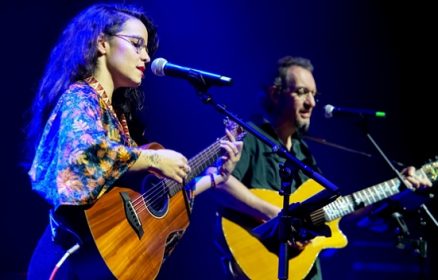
154	159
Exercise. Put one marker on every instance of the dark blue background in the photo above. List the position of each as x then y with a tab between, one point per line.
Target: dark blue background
366	54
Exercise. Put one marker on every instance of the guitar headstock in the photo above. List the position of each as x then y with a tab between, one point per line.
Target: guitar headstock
235	129
431	170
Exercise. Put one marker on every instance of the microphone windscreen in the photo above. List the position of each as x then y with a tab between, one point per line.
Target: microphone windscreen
328	111
157	66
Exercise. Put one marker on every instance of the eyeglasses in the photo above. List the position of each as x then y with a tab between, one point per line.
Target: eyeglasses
303	91
135	41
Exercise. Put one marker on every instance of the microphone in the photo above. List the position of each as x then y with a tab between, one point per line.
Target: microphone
331	111
161	67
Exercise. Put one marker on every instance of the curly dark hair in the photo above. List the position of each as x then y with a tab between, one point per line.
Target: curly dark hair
74	58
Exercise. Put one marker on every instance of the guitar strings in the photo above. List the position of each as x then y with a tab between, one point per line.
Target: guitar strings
157	190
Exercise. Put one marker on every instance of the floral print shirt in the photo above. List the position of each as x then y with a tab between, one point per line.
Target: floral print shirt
83	149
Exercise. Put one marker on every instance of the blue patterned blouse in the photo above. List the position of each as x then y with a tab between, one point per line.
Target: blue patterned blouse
83	149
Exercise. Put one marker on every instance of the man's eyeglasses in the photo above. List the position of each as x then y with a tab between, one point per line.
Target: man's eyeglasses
135	41
302	91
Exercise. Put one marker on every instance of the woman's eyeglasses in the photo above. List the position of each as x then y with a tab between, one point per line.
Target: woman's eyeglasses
135	41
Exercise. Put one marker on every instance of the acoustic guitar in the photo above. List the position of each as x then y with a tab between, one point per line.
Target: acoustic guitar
134	232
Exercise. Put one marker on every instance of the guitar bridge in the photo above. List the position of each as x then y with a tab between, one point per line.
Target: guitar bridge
131	214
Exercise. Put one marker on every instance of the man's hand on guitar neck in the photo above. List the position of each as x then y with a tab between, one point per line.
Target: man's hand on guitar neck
413	181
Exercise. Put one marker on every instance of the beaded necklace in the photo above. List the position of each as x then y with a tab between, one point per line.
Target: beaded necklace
120	119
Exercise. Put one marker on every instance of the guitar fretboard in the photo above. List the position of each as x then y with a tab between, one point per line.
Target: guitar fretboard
198	164
350	203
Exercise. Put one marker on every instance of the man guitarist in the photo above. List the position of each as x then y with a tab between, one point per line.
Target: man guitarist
288	105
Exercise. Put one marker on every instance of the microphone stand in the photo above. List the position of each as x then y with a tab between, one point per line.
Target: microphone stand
287	173
364	125
347	149
404	232
289	169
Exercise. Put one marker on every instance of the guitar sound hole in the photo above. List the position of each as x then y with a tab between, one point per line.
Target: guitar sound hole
156	195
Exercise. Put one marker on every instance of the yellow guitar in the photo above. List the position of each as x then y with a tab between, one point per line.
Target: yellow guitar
257	262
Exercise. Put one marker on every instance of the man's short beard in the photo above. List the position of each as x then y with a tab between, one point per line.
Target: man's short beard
302	127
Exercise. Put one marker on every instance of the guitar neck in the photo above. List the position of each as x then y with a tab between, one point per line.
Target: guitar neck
197	164
350	203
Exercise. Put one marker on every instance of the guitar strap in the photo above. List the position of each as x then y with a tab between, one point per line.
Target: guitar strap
68	227
86	262
62	234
